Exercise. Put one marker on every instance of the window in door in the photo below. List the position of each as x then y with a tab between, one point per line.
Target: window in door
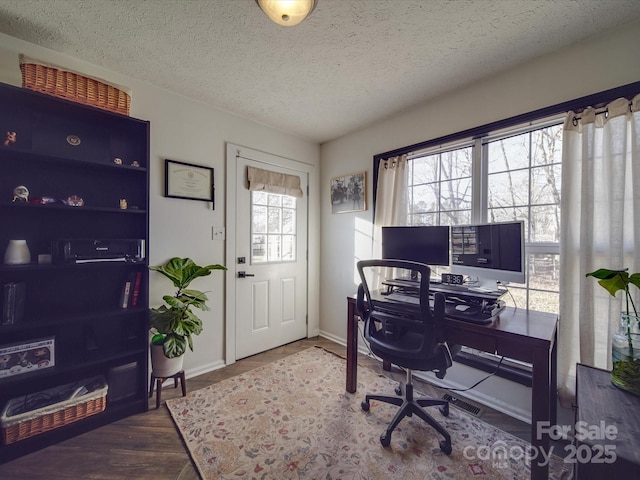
273	228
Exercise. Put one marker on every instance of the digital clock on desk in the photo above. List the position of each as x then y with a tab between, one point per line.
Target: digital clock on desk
452	279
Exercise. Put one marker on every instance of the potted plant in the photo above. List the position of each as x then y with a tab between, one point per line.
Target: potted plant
625	348
174	323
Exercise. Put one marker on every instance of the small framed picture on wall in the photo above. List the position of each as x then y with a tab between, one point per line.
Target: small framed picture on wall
188	181
349	193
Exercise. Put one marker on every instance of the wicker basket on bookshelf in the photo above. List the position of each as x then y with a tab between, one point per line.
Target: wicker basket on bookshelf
70	85
18	424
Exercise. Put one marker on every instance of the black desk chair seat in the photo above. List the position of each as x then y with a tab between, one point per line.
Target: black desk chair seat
410	336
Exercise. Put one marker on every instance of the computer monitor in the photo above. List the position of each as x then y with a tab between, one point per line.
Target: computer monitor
491	252
421	243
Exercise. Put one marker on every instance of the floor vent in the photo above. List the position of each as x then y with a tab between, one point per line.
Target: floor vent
462	405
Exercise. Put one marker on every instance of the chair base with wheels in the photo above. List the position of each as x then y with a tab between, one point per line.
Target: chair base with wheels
408	333
408	406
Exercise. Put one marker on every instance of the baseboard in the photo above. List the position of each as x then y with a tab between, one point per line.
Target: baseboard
201	370
333	338
341	341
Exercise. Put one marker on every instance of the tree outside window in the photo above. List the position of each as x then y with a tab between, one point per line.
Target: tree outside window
517	177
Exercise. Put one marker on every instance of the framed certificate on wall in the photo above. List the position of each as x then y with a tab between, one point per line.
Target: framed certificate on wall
188	181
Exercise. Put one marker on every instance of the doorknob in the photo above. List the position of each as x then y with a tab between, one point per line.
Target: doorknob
243	274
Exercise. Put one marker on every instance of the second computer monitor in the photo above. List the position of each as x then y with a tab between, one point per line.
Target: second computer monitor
423	244
489	252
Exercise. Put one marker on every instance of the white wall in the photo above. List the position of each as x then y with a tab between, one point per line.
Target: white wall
602	63
185	130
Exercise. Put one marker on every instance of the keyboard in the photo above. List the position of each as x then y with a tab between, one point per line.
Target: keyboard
405	298
473	314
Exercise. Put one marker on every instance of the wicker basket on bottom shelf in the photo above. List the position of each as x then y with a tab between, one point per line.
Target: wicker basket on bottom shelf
70	404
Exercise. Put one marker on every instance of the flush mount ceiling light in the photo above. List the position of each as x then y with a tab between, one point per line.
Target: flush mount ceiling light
287	12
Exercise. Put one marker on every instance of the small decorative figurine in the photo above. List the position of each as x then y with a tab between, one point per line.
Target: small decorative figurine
9	139
73	140
123	204
75	201
20	194
117	161
135	163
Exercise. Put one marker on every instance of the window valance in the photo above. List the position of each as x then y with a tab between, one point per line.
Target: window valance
274	182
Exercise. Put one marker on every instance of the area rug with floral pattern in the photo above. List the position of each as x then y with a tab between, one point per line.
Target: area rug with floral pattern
293	419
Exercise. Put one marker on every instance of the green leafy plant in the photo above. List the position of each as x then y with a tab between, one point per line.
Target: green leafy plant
625	373
175	323
615	280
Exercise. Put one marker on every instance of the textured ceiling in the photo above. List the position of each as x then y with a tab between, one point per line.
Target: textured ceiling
352	62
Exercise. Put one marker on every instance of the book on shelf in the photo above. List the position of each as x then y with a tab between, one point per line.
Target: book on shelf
131	290
13	297
127	287
136	289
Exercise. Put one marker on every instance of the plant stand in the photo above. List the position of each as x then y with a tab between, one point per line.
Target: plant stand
160	380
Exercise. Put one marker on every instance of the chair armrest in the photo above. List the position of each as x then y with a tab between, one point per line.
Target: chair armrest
362	311
439	321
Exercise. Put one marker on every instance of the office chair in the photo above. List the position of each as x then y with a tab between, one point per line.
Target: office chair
407	334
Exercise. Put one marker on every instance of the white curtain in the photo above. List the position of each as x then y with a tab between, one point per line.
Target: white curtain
391	197
600	210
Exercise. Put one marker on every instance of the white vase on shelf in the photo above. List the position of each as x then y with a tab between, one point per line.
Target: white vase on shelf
17	253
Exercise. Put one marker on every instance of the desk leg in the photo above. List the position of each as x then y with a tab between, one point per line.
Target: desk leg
352	346
553	391
541	409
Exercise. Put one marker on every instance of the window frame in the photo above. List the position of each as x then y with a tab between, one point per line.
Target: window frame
478	136
576	105
478	161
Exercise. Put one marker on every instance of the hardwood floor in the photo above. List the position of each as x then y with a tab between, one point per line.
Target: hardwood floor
148	446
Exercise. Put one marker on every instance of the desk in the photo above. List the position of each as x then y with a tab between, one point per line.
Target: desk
519	334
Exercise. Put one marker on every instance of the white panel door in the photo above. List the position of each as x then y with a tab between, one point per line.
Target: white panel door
271	264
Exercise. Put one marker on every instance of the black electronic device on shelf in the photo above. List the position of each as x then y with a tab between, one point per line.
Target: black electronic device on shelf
87	250
75	187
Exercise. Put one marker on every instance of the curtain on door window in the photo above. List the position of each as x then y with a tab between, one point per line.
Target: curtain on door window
600	228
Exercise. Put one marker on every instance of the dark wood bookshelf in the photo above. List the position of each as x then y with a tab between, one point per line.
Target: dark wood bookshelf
62	149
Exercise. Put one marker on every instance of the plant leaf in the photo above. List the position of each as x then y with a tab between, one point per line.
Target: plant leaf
611	280
605	273
174	345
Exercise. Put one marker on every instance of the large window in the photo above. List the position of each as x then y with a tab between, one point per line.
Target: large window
504	176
